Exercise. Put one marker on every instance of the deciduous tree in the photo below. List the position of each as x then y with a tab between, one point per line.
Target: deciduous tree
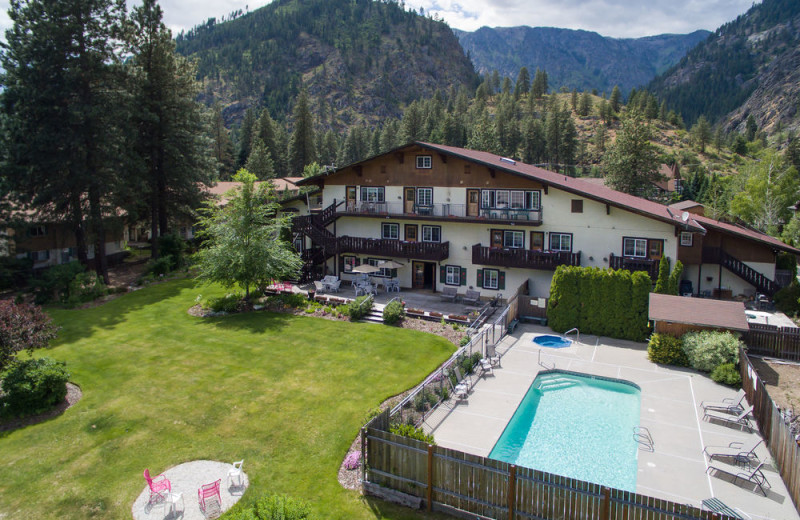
22	327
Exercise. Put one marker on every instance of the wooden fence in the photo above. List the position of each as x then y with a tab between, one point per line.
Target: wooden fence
769	340
779	438
458	483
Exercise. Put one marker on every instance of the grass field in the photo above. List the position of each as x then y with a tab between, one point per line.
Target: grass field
286	394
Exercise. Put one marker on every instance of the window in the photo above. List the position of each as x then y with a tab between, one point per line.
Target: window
679	186
372	194
425	196
37	231
577	205
491	279
501	198
431	233
560	241
452	275
40	256
514	239
516	199
686	239
390	231
424	161
384	272
636	247
348	263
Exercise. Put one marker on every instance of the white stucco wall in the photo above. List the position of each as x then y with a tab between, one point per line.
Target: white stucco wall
710	278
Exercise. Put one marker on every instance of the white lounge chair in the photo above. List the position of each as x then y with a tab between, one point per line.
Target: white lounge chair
733	405
462	385
739	451
755	476
741	419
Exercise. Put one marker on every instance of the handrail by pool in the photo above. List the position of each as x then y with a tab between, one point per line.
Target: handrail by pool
577	334
642	435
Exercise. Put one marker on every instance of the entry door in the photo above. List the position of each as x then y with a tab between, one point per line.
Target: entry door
473	203
417	275
656	248
497	238
411	233
410	197
351	198
537	241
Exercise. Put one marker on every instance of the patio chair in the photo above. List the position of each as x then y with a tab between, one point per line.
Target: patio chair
473	297
207	492
756	476
334	285
236	473
716	505
329	279
492	355
741	419
733	405
159	485
486	367
460	392
319	286
462	382
449	294
739	451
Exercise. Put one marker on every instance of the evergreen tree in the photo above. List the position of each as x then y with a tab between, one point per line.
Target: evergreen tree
701	133
585	106
750	128
631	163
523	85
539	86
222	145
719	138
506	89
412	124
389	136
573	100
615	99
662	282
533	141
259	163
674	285
600	138
301	144
246	136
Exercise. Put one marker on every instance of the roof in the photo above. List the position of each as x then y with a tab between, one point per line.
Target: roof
685	205
703	312
282	184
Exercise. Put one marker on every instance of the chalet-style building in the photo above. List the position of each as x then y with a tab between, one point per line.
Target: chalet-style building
465	218
49	243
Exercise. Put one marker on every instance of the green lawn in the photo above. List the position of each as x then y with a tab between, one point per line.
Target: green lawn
287	394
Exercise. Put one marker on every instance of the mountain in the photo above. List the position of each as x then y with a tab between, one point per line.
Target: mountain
580	60
360	60
750	66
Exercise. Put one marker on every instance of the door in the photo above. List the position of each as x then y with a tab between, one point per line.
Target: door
417	275
497	238
656	249
411	233
537	241
351	198
473	203
409	198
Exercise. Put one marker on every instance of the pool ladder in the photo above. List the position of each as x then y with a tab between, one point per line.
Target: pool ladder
577	334
644	438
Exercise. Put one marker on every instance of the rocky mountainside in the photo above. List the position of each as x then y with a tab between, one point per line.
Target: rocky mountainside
360	60
576	59
750	66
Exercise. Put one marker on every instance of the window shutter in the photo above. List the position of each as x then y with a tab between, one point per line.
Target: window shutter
463	276
442	273
341	264
501	280
394	273
480	278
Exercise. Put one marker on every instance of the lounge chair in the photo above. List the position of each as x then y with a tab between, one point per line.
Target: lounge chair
716	505
492	355
462	383
449	294
741	419
755	476
460	392
471	296
486	366
733	405
319	286
739	451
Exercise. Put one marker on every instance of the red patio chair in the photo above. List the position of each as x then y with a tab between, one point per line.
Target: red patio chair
207	491
158	485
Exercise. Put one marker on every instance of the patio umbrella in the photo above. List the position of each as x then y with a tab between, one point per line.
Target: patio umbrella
390	264
366	269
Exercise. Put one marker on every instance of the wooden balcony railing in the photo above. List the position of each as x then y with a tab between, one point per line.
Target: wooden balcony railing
438	211
523	258
634	264
433	251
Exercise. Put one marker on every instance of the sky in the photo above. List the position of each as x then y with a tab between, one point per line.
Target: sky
616	18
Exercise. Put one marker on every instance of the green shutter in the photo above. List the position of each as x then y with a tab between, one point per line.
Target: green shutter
501	280
394	273
480	278
463	276
341	264
442	273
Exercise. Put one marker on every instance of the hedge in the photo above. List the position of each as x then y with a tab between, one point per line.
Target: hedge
605	302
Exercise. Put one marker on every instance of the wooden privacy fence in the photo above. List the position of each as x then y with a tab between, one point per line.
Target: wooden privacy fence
777	434
769	340
415	473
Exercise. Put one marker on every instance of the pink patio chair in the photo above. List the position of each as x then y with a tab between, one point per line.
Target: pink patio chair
207	491
159	485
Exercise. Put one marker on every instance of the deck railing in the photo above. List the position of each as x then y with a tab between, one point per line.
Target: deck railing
434	251
634	264
443	210
523	258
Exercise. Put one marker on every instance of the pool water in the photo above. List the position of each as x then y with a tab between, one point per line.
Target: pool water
576	426
549	340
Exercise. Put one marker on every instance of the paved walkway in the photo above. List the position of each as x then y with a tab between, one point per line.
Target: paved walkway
670	408
186	479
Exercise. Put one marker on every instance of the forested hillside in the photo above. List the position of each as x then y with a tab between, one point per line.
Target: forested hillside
751	62
360	60
576	59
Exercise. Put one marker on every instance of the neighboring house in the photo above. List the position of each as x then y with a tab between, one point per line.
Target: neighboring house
672	181
475	220
49	243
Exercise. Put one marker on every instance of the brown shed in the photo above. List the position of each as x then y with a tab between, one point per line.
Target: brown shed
677	315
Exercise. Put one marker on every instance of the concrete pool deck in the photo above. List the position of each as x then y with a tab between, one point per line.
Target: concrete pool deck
670	409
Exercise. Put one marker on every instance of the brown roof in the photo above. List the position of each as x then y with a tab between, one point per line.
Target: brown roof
685	205
703	312
223	187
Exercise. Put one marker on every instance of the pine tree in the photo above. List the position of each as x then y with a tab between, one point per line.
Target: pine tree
259	162
523	85
301	144
701	133
631	163
246	136
751	128
585	106
506	88
222	145
539	87
615	99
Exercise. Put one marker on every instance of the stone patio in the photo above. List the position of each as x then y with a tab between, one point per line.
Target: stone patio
670	409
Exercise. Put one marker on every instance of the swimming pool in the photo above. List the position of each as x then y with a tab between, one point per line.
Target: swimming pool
578	426
552	341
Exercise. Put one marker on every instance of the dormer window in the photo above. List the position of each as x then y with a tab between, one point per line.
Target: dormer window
424	162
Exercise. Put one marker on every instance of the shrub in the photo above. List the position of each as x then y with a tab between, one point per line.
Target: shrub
173	247
353	460
727	374
667	350
33	386
228	303
393	312
23	327
463	341
160	266
468	363
15	272
54	283
706	350
786	300
274	507
411	431
294	300
85	287
358	308
662	282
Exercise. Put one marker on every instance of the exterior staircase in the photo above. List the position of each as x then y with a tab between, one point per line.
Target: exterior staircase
325	243
715	255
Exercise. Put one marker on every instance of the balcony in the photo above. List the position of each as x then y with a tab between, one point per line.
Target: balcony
523	258
532	217
432	251
634	264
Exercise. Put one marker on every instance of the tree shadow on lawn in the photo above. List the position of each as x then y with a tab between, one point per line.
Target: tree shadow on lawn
258	322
